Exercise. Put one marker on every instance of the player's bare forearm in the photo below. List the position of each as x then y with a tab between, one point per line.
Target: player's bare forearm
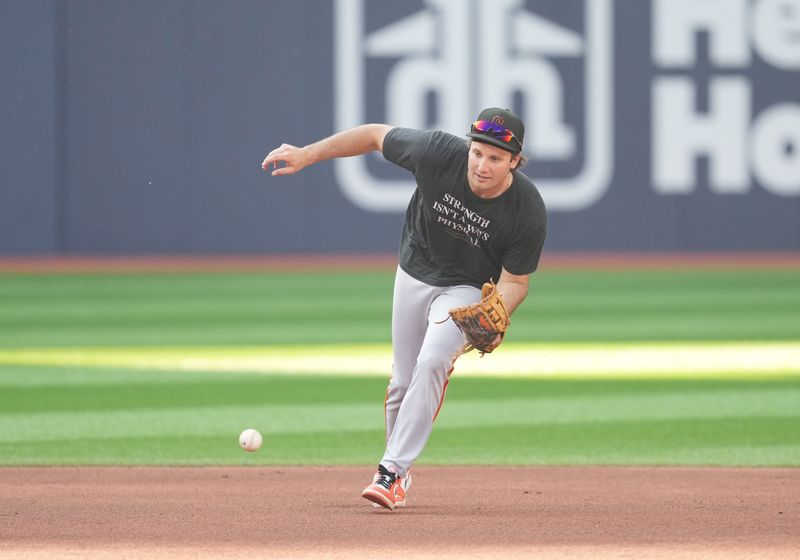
513	288
352	142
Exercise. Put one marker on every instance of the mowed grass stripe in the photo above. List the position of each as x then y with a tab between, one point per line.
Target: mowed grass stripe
507	421
639	359
193	309
77	376
751	441
122	306
130	391
353	307
44	389
578	444
754	441
224	421
360	447
458	413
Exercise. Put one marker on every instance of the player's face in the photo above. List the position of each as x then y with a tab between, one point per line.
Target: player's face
488	169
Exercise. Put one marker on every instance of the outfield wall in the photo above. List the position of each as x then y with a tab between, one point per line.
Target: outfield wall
139	127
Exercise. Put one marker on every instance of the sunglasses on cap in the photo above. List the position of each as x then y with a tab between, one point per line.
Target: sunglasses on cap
496	131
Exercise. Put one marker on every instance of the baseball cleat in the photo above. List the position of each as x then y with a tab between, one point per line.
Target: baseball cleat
383	489
404	483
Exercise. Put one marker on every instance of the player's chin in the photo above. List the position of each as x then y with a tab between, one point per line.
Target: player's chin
479	183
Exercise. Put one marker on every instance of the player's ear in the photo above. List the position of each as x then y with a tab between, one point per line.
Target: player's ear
515	159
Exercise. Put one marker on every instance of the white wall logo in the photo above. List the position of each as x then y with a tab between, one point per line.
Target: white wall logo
737	143
474	54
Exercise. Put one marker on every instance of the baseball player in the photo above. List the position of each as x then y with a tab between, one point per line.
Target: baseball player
473	219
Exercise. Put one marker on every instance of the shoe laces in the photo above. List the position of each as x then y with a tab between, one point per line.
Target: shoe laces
385	477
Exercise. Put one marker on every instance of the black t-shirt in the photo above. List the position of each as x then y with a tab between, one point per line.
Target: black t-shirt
450	235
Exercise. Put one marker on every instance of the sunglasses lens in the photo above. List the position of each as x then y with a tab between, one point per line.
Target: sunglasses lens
495	131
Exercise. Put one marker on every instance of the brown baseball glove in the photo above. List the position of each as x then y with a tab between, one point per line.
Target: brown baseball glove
481	322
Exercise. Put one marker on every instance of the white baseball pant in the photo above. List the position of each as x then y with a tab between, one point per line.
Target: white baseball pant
425	347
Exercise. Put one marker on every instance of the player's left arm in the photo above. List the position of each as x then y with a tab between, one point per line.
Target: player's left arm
513	288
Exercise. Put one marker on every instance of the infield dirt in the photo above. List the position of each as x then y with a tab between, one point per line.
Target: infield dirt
464	512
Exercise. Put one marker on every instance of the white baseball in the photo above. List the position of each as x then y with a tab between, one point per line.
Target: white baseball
250	440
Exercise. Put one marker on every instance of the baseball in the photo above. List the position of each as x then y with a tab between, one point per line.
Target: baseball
250	440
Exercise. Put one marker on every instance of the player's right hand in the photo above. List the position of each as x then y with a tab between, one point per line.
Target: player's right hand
293	158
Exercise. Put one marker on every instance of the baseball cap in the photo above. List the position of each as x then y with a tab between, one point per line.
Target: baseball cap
499	127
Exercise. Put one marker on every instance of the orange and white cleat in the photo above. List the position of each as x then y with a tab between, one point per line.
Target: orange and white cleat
384	488
403	484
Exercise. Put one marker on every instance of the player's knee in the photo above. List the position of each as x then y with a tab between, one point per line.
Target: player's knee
434	365
396	389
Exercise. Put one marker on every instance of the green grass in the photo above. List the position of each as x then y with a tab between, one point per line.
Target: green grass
101	416
284	308
62	412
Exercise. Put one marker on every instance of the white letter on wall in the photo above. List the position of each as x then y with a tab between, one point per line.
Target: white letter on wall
681	135
676	24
